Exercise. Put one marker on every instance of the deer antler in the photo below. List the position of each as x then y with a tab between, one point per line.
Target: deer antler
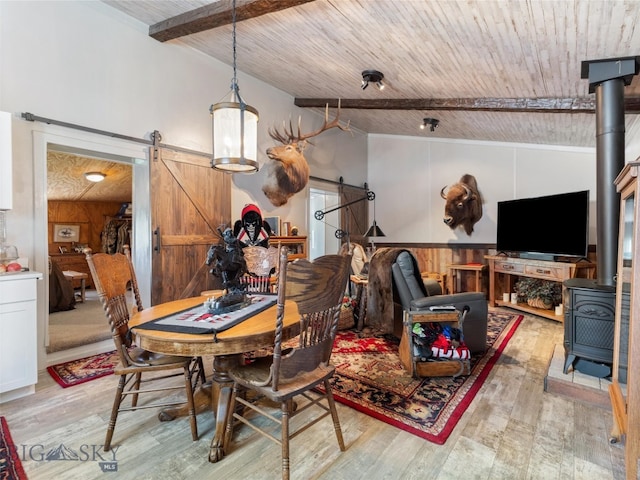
326	125
288	136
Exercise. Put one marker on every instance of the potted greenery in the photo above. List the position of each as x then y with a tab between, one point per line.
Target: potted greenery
539	293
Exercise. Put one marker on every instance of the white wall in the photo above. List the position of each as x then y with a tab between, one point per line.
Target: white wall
85	63
632	138
408	173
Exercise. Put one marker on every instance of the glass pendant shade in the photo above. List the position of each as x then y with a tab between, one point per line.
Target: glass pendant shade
235	136
235	127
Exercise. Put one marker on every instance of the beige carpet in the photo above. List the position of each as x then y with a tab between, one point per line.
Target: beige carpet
83	325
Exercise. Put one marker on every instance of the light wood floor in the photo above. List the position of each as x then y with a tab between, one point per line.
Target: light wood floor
512	430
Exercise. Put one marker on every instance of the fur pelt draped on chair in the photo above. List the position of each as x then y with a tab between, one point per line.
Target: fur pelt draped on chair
380	314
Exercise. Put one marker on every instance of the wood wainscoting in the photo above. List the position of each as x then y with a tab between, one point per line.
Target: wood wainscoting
434	257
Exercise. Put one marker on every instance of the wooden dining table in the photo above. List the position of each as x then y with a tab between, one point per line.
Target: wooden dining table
227	347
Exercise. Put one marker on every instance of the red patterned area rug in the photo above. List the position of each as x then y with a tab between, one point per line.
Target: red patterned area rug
10	465
72	373
370	378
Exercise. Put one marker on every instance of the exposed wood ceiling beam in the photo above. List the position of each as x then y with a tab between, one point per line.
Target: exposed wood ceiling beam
542	105
215	15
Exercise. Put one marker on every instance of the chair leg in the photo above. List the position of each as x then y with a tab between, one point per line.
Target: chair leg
190	403
114	412
203	377
136	387
286	408
334	415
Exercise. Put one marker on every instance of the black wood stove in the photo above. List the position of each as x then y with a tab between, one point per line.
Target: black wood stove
590	304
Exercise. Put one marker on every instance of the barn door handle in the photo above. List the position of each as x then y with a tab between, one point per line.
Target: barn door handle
156	233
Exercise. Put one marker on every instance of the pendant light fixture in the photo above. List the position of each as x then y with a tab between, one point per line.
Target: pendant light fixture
374	229
234	127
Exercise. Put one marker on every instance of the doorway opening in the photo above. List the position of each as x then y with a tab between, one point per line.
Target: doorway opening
322	239
102	216
120	154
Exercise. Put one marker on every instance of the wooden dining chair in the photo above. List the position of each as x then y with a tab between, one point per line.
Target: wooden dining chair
292	373
113	275
260	262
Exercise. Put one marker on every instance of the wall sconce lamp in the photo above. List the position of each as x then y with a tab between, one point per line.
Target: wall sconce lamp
372	76
94	176
235	127
432	123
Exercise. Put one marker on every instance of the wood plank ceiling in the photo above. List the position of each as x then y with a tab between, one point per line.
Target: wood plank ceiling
496	70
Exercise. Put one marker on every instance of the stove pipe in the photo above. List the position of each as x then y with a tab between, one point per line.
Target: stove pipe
608	78
609	161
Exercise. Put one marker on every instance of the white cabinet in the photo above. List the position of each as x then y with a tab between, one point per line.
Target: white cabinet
18	334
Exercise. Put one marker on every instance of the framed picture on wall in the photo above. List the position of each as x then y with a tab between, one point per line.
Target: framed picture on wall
66	233
274	223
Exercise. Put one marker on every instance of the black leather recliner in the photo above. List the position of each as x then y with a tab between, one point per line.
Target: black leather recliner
414	293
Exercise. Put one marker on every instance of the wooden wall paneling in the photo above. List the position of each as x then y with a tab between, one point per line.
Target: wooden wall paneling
89	215
435	259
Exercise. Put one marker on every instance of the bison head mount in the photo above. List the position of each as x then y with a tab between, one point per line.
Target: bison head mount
287	171
463	204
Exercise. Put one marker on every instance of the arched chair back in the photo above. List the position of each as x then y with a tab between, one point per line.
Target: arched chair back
113	275
261	262
295	370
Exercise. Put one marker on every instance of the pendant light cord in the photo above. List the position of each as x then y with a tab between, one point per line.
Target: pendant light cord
234	87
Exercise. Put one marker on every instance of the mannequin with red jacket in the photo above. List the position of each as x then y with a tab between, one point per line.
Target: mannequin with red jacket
251	229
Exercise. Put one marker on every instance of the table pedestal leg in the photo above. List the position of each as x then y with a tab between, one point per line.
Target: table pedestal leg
214	396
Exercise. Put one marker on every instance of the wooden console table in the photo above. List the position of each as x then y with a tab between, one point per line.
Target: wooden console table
509	267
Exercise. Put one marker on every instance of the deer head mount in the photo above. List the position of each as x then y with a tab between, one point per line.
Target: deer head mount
287	171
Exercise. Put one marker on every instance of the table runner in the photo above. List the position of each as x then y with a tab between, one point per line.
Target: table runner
198	319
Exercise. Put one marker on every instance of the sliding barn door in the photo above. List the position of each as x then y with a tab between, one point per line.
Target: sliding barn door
189	201
353	218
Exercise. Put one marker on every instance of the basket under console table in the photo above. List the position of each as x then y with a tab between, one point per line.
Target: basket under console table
504	271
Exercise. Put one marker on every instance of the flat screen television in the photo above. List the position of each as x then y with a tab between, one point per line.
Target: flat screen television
545	227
